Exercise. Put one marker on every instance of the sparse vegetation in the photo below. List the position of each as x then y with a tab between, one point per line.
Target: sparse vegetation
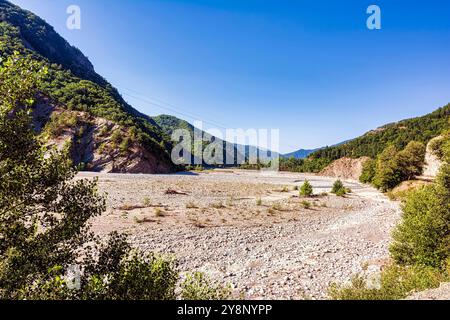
191	205
130	207
277	206
159	212
306	190
339	188
147	202
143	220
397	282
59	122
197	286
306	204
217	205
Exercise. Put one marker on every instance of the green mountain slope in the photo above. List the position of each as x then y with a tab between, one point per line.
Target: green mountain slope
170	123
371	144
72	86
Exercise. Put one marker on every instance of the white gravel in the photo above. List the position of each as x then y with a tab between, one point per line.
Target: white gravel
293	254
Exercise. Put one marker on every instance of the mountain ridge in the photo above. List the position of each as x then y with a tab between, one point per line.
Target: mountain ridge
420	129
73	85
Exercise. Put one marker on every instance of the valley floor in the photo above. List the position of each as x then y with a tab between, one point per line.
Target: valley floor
251	229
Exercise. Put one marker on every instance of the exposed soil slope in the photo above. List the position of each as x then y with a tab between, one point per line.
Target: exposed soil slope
345	168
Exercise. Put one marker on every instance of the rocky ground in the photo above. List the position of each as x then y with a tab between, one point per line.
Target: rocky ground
253	230
441	293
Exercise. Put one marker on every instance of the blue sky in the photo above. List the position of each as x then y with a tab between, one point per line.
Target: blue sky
308	67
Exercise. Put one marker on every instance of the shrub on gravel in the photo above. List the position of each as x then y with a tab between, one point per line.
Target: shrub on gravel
197	286
191	205
338	188
306	190
396	282
306	204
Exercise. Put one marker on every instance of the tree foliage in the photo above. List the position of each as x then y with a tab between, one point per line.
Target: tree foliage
43	216
45	213
338	188
392	166
368	171
421	129
423	237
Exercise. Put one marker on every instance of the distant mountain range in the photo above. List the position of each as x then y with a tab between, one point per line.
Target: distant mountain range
170	123
305	153
299	154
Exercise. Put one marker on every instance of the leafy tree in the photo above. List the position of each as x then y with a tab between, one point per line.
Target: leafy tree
44	216
306	189
368	171
387	174
411	160
423	237
440	146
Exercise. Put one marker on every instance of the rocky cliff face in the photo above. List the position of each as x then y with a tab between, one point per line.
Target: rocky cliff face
432	162
95	144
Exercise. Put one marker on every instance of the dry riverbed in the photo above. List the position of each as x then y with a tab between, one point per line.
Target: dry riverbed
251	229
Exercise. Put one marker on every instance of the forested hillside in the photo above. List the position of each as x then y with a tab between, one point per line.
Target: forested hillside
95	108
421	129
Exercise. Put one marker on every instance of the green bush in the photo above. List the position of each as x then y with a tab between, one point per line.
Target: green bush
139	277
368	171
60	122
197	286
116	137
125	145
393	167
306	204
396	283
387	174
44	216
306	189
411	160
338	188
423	236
